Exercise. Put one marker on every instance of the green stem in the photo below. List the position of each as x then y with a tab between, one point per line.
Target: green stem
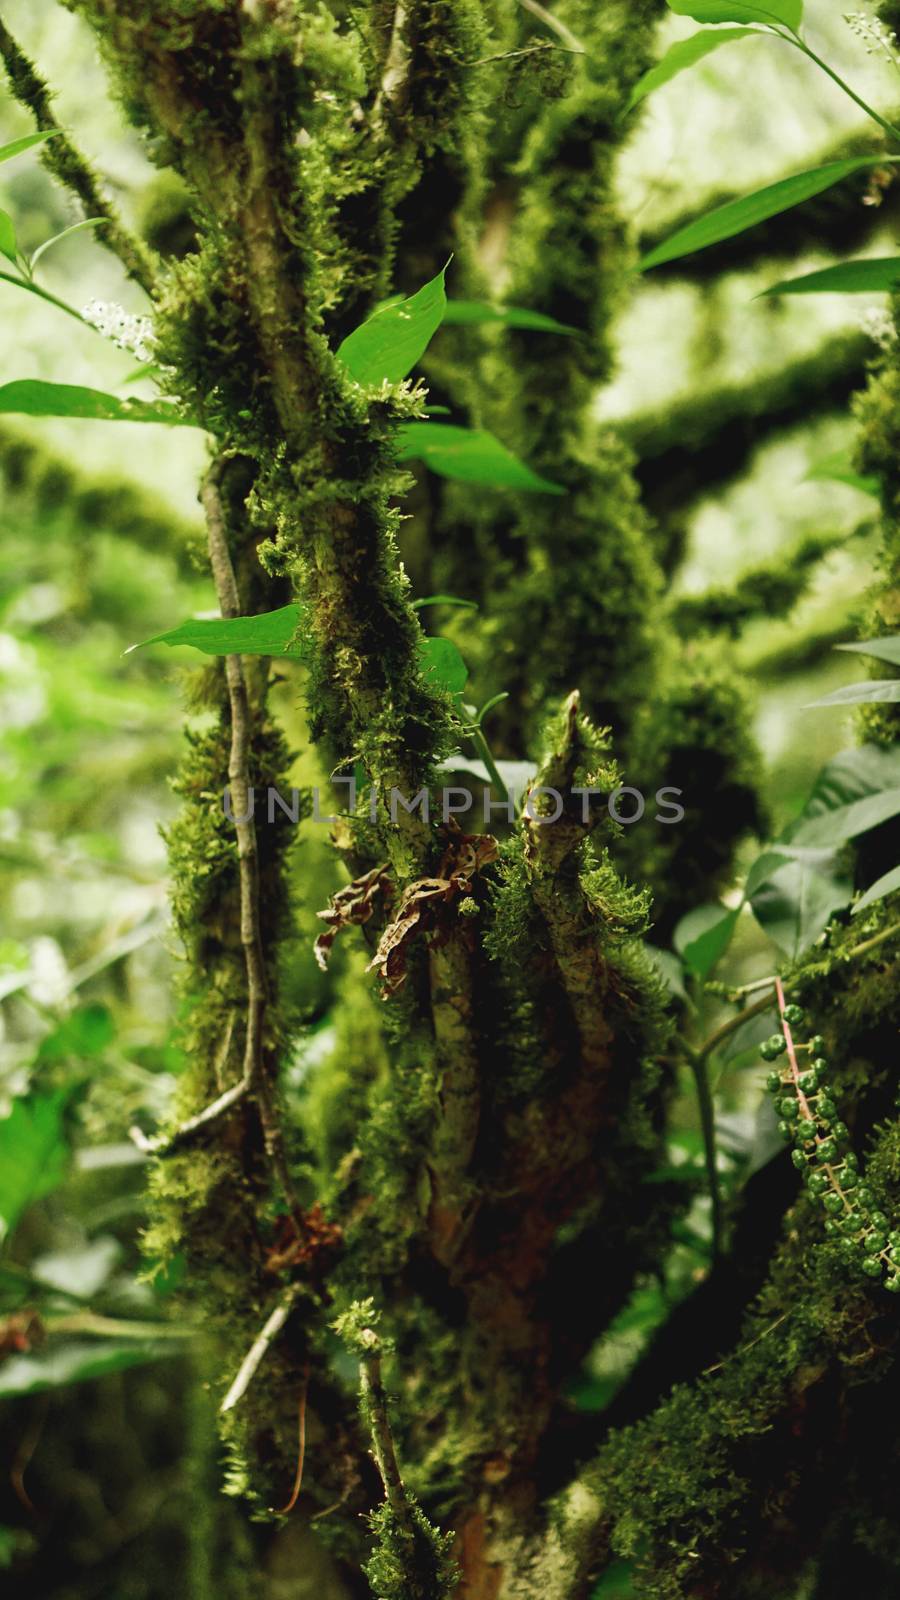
483	748
794	39
698	1065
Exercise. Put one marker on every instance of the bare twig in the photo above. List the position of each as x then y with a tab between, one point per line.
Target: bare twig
66	162
555	26
167	1144
396	67
264	1339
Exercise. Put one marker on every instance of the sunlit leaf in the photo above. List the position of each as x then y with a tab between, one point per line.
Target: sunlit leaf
33	1154
76	227
882	649
390	343
33	397
838	468
268	634
784	13
848	277
871	692
736	216
470	454
467	313
686	53
7	237
15	148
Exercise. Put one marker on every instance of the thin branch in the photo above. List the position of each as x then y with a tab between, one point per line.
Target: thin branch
255	1078
301	1447
376	1406
66	162
555	26
264	1339
396	67
167	1144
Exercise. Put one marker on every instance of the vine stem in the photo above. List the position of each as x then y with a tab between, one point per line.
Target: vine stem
376	1406
805	49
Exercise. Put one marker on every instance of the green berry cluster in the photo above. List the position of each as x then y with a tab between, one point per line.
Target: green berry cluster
810	1121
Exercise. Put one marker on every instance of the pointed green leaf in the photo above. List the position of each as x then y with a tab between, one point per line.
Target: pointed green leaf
882	649
388	345
797	897
33	397
470	454
444	600
838	468
268	634
847	277
686	53
78	1361
775	13
874	691
467	313
736	216
15	148
878	890
702	937
76	227
830	829
8	237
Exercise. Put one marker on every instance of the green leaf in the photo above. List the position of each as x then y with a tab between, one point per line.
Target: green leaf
444	600
798	896
468	313
443	664
882	886
77	1361
268	634
872	692
8	237
686	53
84	1034
7	151
838	468
736	216
33	1154
882	649
470	454
388	345
33	397
702	937
848	277
76	227
784	13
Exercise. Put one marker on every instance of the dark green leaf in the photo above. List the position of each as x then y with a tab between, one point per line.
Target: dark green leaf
838	468
443	664
33	397
682	55
388	346
268	634
77	1361
33	1154
702	937
87	1032
470	454
884	885
736	216
848	277
7	237
882	649
7	151
873	691
784	13
466	313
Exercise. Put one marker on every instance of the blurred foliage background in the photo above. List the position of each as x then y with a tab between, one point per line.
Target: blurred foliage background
108	1465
